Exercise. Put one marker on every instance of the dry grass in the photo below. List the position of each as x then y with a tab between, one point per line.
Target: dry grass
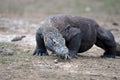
23	66
40	8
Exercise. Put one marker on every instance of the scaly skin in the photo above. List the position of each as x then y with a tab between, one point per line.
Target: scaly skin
65	34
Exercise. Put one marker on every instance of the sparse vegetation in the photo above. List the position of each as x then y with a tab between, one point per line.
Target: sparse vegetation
36	7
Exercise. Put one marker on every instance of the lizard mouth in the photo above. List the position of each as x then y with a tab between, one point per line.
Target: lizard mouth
61	51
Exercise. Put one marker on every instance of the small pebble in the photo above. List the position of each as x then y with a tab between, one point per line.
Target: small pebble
56	61
115	23
6	51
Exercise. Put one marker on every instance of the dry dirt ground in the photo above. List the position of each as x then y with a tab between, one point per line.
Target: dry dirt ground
18	18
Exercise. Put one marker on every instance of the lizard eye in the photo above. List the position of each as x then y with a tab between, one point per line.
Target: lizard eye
55	41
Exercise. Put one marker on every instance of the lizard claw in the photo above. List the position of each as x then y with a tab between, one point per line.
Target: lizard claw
67	57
